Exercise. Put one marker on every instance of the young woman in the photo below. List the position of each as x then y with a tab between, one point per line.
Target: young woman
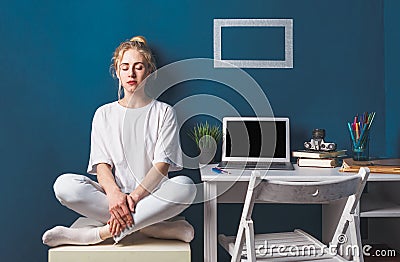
134	144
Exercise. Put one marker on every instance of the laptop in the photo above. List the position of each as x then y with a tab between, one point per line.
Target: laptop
256	143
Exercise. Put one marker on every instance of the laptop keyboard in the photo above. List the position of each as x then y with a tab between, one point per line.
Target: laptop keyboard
251	165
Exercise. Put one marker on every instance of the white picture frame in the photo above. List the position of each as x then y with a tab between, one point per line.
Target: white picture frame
286	23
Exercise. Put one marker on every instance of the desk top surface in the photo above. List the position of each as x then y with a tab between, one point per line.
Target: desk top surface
298	174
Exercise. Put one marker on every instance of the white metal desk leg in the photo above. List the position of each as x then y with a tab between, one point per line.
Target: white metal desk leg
210	222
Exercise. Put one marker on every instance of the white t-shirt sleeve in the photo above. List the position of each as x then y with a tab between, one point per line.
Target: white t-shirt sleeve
98	149
167	148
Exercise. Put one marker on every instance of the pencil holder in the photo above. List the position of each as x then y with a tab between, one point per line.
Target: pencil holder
359	133
360	148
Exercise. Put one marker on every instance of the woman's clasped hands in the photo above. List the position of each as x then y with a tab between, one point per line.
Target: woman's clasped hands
121	206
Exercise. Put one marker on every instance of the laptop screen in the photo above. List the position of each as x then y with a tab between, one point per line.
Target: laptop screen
256	139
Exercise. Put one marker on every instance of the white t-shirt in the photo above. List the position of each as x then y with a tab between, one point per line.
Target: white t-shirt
132	140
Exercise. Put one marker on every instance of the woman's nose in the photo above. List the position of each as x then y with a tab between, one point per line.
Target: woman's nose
132	72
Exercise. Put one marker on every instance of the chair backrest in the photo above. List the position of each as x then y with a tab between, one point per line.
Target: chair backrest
299	192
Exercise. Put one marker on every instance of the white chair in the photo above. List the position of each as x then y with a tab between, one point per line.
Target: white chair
298	245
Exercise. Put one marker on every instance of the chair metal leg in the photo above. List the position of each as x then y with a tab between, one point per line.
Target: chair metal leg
251	252
355	234
237	250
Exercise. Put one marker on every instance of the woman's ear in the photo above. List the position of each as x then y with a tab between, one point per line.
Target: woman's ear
117	74
116	67
148	70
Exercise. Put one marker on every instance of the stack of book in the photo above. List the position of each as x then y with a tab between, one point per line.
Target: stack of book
318	158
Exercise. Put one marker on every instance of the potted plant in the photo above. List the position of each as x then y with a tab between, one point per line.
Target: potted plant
206	137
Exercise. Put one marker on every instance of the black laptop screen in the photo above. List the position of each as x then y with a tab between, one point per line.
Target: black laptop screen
258	139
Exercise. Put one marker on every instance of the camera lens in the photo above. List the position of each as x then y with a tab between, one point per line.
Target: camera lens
318	133
307	145
332	146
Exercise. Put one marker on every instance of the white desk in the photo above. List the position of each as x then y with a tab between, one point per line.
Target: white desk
231	188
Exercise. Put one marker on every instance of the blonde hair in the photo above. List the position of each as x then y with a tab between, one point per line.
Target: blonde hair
138	43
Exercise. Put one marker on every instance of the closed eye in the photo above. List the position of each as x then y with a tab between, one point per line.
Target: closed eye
139	66
124	67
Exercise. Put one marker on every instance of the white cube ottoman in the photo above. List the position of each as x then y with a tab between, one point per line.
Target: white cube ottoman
135	247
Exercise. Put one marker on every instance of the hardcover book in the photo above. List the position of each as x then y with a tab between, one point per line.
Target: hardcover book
315	162
318	154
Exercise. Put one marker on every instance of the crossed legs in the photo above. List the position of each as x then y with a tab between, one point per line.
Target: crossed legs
87	198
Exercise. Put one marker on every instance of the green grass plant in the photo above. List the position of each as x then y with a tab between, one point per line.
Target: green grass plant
205	135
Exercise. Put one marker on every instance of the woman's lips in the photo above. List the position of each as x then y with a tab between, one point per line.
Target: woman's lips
132	82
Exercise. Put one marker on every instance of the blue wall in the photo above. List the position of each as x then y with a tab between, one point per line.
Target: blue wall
54	73
392	77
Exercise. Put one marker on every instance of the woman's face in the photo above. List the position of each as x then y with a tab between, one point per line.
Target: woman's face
132	70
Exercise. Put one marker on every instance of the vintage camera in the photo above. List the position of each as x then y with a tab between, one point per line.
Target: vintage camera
317	142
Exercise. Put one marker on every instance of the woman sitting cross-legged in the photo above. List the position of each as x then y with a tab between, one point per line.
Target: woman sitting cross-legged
134	144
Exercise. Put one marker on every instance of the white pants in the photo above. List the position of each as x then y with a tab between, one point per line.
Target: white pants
87	198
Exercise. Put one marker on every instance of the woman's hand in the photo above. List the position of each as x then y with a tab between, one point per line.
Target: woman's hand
114	227
132	199
119	210
121	216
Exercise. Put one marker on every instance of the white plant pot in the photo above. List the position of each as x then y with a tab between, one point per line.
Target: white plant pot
207	155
